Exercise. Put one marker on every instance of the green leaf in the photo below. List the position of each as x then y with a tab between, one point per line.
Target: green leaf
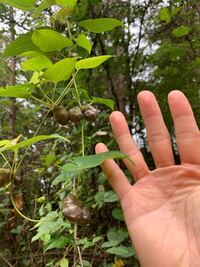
108	244
119	251
164	15
64	262
63	177
91	62
58	242
37	63
130	252
83	41
61	71
122	251
49	40
181	31
4	142
91	161
31	141
105	197
67	3
30	54
107	102
35	79
117	214
20	45
21	4
100	25
117	235
20	91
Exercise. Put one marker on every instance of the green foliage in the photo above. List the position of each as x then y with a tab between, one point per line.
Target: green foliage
83	41
13	146
108	102
105	197
164	15
117	214
64	262
60	71
20	91
49	40
100	25
37	63
67	3
48	228
20	45
115	238
91	161
90	63
181	31
121	251
21	4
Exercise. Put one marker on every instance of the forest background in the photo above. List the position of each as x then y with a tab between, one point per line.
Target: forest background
64	66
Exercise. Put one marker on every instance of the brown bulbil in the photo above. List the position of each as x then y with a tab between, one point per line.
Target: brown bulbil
5	176
61	115
90	113
75	211
75	114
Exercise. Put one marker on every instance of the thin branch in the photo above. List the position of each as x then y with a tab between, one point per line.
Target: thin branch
6	261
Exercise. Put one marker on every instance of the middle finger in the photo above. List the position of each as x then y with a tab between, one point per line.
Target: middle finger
157	133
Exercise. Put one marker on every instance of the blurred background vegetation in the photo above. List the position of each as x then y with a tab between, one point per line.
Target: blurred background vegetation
157	49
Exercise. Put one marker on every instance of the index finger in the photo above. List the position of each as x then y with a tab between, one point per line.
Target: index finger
127	145
115	175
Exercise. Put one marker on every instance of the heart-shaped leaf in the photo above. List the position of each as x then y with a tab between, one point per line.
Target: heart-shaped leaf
37	63
100	24
20	91
61	71
91	62
49	40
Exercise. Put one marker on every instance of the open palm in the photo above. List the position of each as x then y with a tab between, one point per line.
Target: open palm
162	209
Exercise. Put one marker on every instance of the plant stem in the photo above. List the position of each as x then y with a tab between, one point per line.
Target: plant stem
6	261
42	102
46	96
7	162
54	90
65	90
77	92
82	138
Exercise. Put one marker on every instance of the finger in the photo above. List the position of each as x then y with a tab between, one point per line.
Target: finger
158	136
115	175
127	145
186	129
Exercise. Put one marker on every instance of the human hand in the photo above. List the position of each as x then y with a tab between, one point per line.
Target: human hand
162	209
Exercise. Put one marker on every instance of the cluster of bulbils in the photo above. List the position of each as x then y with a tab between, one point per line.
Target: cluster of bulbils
76	114
75	211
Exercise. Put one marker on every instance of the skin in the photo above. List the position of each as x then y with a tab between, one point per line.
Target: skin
162	208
